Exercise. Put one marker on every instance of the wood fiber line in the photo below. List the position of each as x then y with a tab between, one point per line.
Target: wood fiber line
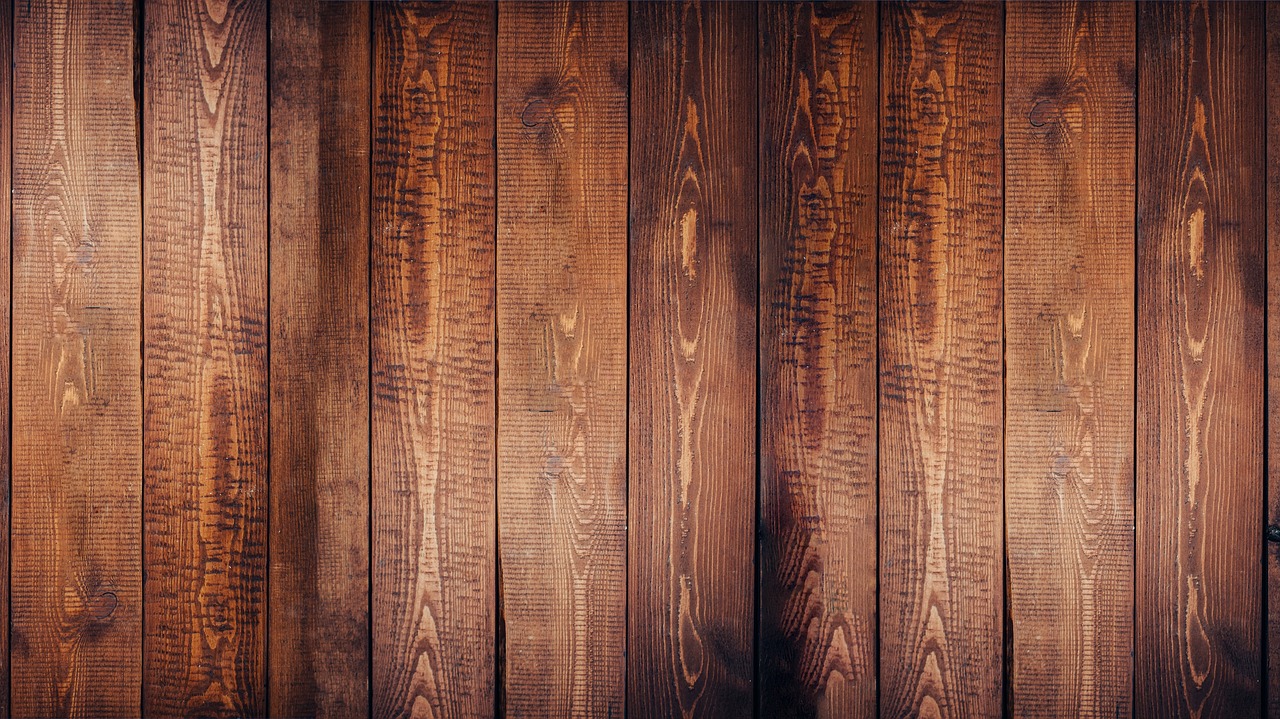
692	359
1069	308
1272	597
6	137
319	581
562	349
205	358
1201	295
433	360
941	412
819	112
77	439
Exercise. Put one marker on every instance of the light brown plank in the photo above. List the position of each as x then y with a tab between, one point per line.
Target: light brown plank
1201	297
1069	294
819	113
319	581
205	358
562	350
692	420
6	137
77	439
433	388
941	418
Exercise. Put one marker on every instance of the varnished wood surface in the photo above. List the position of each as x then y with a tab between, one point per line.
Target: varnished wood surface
77	440
6	346
319	545
819	108
1069	329
1201	294
204	264
941	419
433	332
562	350
693	356
1271	601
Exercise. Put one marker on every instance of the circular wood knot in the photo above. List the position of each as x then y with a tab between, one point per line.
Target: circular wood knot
1042	112
103	606
536	113
1273	533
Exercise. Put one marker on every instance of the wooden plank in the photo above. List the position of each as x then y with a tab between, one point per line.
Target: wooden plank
818	174
6	137
205	358
319	581
562	349
1201	295
692	422
432	324
77	439
1069	294
1272	598
941	416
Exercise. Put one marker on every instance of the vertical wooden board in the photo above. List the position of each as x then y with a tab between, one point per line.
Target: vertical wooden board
818	175
432	326
319	582
562	350
1272	599
205	358
941	415
1201	294
692	419
1069	312
6	137
77	439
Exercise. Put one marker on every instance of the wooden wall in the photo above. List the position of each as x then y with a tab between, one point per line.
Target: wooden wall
585	359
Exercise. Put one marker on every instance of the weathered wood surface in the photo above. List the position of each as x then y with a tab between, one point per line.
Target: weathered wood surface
562	350
1069	328
433	364
819	111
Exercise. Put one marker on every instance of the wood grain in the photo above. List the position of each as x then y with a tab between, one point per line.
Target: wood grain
1272	598
6	187
319	582
77	434
1201	295
562	350
432	325
692	424
1069	313
205	358
818	175
941	416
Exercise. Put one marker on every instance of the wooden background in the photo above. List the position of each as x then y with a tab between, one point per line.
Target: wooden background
666	359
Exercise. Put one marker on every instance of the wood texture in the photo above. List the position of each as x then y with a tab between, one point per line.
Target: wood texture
77	439
433	331
941	416
319	581
1201	295
692	421
1271	600
562	350
205	358
6	346
819	115
1069	313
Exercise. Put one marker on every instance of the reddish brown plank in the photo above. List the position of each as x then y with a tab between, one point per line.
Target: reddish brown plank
941	416
205	357
1272	598
1069	295
819	112
692	358
6	136
1201	293
562	350
432	326
77	439
319	581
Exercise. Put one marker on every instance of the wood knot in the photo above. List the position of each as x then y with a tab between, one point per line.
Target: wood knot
1273	533
536	112
103	606
1042	112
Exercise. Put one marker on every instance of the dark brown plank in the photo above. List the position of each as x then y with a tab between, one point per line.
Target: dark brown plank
432	325
319	582
692	357
205	358
77	439
941	416
562	350
1069	297
818	112
1272	599
1201	293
